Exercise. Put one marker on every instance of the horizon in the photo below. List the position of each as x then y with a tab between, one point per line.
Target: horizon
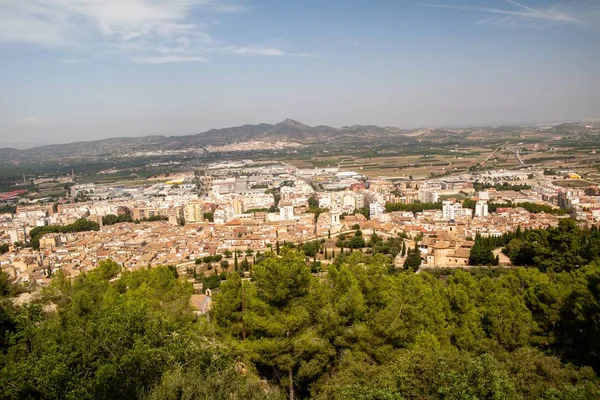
26	146
74	71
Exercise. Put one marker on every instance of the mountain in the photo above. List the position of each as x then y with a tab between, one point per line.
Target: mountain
291	128
288	130
569	129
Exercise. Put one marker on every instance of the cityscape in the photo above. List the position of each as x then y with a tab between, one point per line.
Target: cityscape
254	199
253	206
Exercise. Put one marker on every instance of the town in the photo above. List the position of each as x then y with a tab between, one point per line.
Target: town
247	208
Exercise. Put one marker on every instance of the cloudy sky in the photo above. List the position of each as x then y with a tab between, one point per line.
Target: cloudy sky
87	69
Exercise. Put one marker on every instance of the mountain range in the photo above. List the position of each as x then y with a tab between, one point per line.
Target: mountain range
288	130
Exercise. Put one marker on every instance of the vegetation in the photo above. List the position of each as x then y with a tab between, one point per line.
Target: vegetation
533	208
81	225
414	207
564	248
361	331
6	209
209	259
413	260
112	219
355	242
133	338
4	248
500	186
482	253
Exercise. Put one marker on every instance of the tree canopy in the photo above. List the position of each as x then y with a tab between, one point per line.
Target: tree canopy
360	331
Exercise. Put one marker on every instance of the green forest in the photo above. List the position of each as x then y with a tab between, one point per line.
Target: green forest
361	331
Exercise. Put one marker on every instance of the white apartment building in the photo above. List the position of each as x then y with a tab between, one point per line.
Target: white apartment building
376	209
481	208
428	196
451	210
286	212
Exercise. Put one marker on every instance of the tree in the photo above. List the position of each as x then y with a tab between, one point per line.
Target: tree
279	280
224	265
413	260
481	253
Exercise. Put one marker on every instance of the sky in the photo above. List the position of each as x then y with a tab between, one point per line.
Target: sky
73	70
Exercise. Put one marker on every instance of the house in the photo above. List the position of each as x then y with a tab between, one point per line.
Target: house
202	303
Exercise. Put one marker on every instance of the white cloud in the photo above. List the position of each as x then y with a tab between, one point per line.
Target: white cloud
263	51
27	121
149	31
255	51
520	14
166	59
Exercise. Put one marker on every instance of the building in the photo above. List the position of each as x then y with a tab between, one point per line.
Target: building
428	196
448	210
286	211
481	208
194	212
376	209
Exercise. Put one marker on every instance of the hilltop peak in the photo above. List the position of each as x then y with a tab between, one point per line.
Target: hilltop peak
290	123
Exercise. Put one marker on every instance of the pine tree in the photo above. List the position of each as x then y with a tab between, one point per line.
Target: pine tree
413	260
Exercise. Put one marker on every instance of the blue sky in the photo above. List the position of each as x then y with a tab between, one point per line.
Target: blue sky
88	69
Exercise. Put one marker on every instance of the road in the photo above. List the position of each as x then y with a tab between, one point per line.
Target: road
481	164
519	159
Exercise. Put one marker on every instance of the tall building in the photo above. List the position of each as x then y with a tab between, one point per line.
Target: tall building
448	210
376	209
238	206
451	210
481	208
194	212
286	211
428	196
335	217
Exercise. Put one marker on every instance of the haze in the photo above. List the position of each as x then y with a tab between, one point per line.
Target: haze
72	70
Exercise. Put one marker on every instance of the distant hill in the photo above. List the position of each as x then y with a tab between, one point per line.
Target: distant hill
569	129
288	130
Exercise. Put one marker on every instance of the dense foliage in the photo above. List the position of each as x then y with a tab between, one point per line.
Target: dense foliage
413	207
564	248
81	225
356	241
112	219
482	253
533	208
501	186
361	331
133	338
8	209
413	260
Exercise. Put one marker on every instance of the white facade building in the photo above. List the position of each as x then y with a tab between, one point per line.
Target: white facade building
481	208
